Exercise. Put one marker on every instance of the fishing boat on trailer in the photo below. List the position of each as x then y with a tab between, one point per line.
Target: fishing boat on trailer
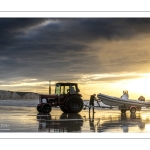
123	104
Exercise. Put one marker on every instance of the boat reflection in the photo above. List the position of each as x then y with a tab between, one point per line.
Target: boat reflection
125	123
65	123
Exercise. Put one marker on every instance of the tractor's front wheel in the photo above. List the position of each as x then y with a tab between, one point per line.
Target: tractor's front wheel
74	104
39	109
46	108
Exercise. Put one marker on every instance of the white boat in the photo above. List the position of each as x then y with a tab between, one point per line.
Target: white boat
123	104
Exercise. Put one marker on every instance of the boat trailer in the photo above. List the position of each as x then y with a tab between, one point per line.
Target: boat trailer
99	106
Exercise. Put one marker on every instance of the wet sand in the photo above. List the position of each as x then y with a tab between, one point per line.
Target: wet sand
27	119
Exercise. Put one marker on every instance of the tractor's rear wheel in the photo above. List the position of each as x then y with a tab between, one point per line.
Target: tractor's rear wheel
74	104
46	108
39	109
63	109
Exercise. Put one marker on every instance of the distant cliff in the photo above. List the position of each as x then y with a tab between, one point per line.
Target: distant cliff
17	95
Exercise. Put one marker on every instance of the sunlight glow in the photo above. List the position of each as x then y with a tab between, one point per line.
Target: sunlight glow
140	85
136	87
136	84
109	84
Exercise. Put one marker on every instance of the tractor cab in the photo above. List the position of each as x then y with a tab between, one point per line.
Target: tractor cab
66	96
66	88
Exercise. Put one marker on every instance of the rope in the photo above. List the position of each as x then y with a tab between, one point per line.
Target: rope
85	94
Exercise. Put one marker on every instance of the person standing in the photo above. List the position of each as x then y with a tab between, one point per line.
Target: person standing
125	95
91	103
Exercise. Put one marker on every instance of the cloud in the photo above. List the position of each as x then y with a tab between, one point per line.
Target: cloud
64	49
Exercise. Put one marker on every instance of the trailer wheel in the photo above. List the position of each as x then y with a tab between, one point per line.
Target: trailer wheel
132	109
123	110
63	109
74	104
39	109
46	108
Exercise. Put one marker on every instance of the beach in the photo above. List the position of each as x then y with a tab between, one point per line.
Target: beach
22	116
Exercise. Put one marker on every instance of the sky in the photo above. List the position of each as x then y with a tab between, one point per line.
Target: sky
102	55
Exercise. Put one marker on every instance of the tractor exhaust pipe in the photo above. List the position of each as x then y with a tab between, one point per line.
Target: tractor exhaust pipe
49	87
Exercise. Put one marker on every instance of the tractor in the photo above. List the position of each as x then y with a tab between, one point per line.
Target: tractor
66	96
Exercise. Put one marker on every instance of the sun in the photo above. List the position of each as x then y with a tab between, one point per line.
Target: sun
138	86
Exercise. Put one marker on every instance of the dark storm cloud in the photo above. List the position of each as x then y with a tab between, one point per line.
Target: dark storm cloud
46	48
106	28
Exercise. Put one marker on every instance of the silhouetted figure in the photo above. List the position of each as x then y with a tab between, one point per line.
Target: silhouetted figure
72	90
92	98
125	95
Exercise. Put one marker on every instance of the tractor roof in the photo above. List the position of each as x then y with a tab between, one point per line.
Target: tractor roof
66	84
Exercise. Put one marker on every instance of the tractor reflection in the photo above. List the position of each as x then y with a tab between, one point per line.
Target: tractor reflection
67	122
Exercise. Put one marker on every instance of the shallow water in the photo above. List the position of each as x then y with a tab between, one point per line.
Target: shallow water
27	119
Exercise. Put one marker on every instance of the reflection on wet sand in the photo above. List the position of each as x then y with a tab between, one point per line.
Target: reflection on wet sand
124	123
77	123
26	119
66	123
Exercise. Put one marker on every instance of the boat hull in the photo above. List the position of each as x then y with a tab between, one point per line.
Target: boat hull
115	101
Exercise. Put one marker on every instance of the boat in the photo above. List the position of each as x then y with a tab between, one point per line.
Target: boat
123	104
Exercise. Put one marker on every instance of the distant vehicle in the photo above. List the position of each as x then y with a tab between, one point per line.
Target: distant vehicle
66	96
